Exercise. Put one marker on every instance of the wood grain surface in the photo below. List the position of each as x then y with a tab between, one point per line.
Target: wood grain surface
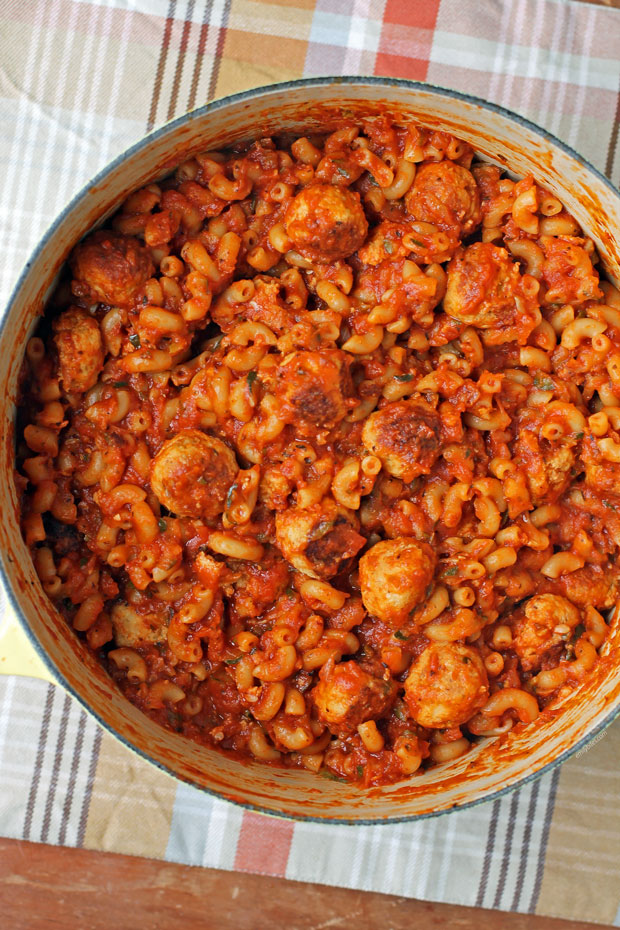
45	887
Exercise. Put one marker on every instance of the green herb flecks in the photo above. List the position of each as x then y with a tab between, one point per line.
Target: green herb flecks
403	378
400	635
163	526
135	340
388	246
333	777
543	383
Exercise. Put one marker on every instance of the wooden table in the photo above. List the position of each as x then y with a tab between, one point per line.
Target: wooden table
44	887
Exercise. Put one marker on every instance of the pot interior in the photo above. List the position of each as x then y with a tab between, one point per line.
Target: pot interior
493	765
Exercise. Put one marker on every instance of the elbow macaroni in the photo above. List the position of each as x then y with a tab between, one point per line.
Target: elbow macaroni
257	380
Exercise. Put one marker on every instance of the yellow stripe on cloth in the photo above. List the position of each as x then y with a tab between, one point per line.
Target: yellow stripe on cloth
583	850
131	804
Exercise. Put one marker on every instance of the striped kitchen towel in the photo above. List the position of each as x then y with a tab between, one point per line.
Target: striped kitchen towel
79	81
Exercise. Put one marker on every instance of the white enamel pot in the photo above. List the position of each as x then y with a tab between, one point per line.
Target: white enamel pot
493	766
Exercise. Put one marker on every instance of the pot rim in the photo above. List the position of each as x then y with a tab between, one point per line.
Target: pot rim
170	126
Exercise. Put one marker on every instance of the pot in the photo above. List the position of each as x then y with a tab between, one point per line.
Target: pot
493	766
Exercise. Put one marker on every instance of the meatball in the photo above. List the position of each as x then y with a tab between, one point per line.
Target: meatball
405	436
318	539
313	386
132	627
111	268
591	585
534	629
548	466
446	685
568	272
191	474
484	290
445	194
326	222
80	350
346	696
394	577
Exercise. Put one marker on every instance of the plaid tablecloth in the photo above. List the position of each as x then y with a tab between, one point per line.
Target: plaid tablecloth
79	81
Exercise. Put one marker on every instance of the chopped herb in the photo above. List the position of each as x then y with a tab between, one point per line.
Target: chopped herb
451	571
333	777
399	713
229	496
388	246
216	342
543	384
121	384
610	506
252	376
467	453
577	632
162	526
135	340
360	771
417	242
233	661
400	635
578	435
403	378
174	719
289	591
343	171
83	561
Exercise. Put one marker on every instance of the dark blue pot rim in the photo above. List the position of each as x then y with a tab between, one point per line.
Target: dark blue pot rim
81	195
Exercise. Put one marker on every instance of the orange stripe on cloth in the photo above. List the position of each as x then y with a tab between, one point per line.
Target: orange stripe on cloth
264	844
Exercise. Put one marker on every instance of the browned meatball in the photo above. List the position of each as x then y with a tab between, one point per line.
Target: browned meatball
111	268
132	627
547	465
534	628
405	436
568	272
313	386
394	577
446	685
482	282
346	696
318	539
191	474
326	222
484	289
591	585
445	194
80	349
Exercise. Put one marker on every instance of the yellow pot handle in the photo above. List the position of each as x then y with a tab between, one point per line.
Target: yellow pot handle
17	656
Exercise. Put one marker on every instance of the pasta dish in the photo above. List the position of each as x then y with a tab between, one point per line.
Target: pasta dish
319	443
